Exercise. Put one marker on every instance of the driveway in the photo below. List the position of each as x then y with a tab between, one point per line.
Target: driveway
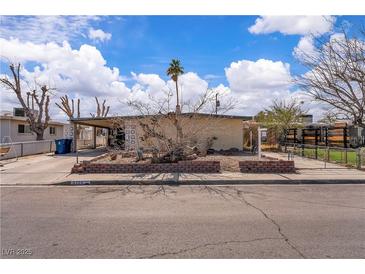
42	168
308	221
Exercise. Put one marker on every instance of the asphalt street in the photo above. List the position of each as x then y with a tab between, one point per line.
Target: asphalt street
253	221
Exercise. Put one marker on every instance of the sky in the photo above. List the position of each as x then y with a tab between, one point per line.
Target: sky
251	59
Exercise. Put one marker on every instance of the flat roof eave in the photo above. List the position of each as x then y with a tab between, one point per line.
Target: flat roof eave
84	119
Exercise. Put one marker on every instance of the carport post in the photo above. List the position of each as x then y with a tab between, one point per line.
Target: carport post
74	137
94	137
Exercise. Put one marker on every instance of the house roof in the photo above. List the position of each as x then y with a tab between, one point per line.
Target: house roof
105	121
24	119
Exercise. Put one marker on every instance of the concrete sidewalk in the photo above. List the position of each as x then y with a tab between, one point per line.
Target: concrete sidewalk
307	163
54	170
317	177
309	171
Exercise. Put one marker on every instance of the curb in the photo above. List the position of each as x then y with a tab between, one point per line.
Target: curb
197	182
214	182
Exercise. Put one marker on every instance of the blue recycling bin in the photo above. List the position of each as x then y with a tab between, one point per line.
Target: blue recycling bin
61	147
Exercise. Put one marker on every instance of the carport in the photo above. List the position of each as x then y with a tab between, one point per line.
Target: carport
97	122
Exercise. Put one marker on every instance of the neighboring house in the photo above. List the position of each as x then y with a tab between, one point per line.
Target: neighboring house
227	130
14	127
307	119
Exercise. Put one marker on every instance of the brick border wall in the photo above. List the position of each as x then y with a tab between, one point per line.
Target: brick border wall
183	166
279	166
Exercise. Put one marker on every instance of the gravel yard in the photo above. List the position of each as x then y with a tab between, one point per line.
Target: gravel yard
229	163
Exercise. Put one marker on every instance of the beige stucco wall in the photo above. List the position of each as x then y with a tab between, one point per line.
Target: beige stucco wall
9	127
228	131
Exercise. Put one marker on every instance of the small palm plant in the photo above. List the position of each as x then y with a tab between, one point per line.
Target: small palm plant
175	69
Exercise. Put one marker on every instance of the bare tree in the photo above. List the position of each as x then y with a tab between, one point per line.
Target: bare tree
336	74
67	108
38	117
157	124
101	111
329	117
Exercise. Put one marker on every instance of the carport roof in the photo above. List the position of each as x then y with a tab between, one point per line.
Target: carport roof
105	122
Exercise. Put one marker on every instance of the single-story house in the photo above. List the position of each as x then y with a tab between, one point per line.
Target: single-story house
16	138
227	130
14	127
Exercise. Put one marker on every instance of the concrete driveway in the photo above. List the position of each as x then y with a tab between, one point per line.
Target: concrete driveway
308	221
42	168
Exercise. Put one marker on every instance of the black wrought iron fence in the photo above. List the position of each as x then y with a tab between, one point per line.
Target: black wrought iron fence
350	157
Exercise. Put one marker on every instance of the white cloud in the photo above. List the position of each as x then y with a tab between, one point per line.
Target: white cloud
301	25
191	87
337	37
263	74
81	73
222	90
99	35
305	48
151	83
256	84
43	29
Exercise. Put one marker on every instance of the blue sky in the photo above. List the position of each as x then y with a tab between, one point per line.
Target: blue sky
247	57
204	44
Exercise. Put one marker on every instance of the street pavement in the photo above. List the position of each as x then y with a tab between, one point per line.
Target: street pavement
251	221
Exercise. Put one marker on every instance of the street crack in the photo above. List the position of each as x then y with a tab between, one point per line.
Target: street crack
280	231
240	197
206	245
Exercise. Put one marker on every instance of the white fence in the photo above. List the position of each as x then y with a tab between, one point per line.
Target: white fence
27	148
20	149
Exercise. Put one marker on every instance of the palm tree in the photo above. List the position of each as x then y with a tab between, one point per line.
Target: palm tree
175	69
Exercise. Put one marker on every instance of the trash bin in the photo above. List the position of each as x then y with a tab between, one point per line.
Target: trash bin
68	145
60	146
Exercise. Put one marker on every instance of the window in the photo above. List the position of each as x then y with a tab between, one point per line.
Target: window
52	130
19	112
24	129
